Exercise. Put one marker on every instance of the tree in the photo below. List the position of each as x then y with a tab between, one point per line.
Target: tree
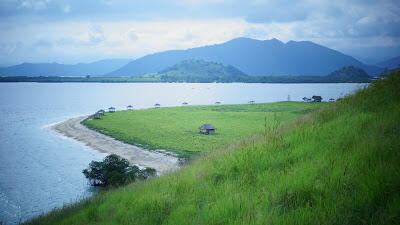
115	171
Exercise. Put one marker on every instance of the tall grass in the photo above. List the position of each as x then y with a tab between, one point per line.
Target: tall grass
340	165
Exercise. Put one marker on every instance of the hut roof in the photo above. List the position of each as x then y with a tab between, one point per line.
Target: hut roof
129	106
111	107
101	111
207	127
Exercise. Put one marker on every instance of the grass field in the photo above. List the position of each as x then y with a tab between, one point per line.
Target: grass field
337	165
176	128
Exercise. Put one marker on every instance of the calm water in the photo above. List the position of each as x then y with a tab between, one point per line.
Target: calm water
40	170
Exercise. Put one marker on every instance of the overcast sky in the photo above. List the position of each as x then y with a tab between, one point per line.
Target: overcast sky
89	30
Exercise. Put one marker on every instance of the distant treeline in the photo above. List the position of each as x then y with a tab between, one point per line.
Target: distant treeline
190	79
53	79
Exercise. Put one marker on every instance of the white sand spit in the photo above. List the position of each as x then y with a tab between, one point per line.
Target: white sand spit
73	128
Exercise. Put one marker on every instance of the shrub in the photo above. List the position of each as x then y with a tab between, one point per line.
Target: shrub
115	171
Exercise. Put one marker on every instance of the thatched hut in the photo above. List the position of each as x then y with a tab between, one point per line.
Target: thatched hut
97	116
184	103
251	102
217	103
207	129
316	98
101	112
111	109
129	107
157	105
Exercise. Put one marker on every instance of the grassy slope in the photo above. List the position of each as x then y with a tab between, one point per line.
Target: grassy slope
340	165
176	128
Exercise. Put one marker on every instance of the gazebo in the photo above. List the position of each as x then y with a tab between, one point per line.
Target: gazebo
316	98
96	115
157	105
217	103
101	112
129	107
251	102
207	129
331	99
184	103
111	109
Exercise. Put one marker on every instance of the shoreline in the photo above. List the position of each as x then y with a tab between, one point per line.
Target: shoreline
73	128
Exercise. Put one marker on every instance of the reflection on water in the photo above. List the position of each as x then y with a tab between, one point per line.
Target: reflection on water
40	171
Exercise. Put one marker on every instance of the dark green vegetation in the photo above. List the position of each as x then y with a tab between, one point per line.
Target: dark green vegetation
337	165
349	73
115	171
176	128
199	71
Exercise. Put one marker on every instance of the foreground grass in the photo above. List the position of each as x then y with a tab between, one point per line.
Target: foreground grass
340	165
176	128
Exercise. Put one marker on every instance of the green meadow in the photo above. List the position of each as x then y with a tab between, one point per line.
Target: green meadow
176	128
339	164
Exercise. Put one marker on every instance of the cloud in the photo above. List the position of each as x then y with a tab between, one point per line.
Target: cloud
34	4
96	34
119	28
67	9
132	35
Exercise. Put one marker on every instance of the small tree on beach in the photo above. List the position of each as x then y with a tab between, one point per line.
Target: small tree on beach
115	171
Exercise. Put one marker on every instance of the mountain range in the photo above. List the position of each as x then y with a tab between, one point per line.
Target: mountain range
255	58
392	63
97	68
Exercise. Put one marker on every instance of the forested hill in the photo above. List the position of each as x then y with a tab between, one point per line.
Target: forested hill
349	73
201	71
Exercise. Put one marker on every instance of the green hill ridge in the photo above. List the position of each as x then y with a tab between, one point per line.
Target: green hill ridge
337	165
201	71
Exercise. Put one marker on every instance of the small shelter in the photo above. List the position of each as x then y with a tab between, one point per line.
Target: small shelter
96	116
157	105
111	109
331	99
316	98
129	107
217	103
207	129
184	103
305	99
101	112
251	102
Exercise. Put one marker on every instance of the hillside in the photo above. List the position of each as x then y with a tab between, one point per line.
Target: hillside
392	63
349	73
253	57
55	69
201	71
337	165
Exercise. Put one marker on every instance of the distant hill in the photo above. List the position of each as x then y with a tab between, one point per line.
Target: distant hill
253	57
97	68
392	63
349	73
200	71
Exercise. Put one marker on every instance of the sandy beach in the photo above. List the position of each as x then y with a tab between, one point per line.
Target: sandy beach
73	128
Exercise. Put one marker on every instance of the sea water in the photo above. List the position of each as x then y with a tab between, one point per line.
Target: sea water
41	170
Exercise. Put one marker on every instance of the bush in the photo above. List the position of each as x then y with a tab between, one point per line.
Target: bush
115	171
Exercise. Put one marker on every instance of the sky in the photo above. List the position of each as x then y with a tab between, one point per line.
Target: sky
85	31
